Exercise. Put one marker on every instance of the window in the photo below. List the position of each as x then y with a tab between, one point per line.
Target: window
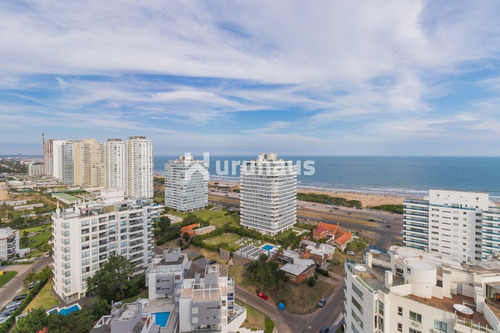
381	308
414	331
400	327
440	326
400	311
357	291
357	305
416	317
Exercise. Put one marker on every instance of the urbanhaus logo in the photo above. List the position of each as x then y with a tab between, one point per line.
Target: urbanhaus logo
222	168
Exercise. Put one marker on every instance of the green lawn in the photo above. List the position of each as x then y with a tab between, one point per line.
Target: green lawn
45	298
216	217
143	294
224	238
285	234
6	277
44	232
357	245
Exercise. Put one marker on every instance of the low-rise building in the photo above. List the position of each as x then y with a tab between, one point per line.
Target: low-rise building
416	291
296	268
166	273
9	243
130	318
336	237
207	304
317	252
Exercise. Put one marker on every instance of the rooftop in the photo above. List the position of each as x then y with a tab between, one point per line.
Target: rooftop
446	304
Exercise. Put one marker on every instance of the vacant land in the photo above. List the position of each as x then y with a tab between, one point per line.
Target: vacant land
45	298
41	236
301	298
358	245
224	238
218	218
6	277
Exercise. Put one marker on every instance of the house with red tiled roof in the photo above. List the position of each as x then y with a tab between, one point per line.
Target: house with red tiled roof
342	238
338	237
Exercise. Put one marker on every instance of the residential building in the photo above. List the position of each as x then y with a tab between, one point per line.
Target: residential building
451	223
35	169
296	268
336	237
57	159
186	184
207	304
89	163
68	165
9	243
140	167
268	194
166	273
116	171
410	290
87	234
130	318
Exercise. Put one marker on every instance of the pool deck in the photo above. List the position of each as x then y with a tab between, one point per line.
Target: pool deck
163	305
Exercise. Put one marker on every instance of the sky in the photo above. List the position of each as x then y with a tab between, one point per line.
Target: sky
377	78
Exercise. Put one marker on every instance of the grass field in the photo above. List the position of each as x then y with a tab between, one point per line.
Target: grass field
44	232
301	298
255	319
6	277
337	263
45	298
224	238
237	272
358	245
216	217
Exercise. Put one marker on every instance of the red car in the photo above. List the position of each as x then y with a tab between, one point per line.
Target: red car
262	295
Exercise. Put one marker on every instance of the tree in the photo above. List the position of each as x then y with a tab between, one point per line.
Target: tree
163	224
114	276
25	239
186	236
311	282
45	274
29	278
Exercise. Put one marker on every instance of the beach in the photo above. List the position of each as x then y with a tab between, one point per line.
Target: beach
367	199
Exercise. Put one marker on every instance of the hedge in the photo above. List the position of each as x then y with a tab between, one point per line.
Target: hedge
5	327
322	271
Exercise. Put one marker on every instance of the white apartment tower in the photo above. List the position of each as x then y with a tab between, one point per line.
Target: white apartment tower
409	290
450	223
140	167
116	164
186	184
268	194
57	159
85	235
9	243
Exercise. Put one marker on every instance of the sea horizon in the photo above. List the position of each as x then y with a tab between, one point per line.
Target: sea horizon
410	176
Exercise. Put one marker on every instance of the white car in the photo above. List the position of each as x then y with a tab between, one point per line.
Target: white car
351	253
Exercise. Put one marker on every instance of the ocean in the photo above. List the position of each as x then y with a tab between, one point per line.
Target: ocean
408	176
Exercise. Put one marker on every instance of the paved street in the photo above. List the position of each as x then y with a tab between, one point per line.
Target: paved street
13	288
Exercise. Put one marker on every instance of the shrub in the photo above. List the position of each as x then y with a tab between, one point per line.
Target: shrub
322	271
269	324
311	282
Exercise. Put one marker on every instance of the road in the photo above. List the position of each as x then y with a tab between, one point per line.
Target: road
348	218
292	323
14	287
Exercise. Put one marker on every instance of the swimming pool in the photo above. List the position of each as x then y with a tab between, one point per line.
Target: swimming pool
68	310
161	318
268	247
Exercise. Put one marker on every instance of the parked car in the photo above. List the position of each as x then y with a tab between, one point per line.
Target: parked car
262	295
32	284
388	226
324	329
7	313
3	319
13	305
351	253
322	302
20	297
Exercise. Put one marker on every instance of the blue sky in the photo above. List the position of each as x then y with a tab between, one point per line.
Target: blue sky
242	77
